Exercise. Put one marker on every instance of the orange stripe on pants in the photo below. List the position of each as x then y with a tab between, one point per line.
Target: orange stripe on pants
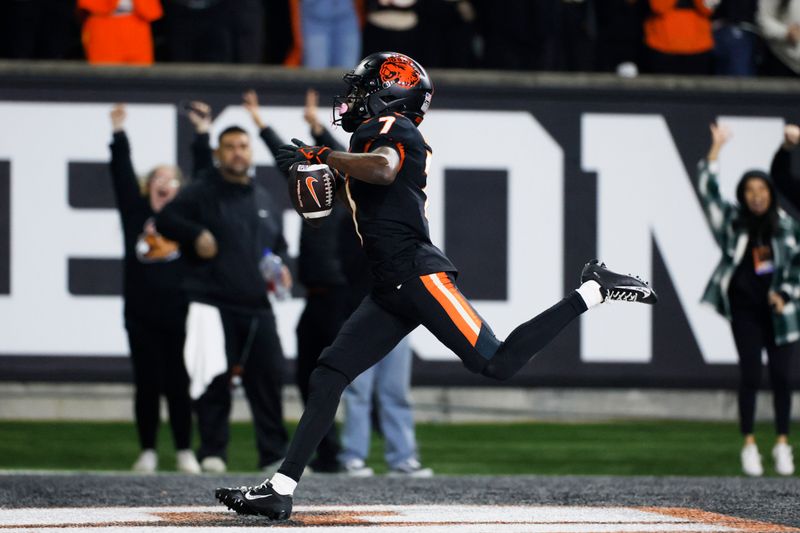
454	305
460	297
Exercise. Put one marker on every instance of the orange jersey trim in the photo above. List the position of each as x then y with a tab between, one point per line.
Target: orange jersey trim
402	151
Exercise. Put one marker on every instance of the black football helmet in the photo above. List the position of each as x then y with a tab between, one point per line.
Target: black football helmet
384	81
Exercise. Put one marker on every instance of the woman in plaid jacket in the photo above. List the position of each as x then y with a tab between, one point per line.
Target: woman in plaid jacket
756	285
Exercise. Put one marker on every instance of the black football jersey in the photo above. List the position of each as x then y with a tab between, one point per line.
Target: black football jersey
391	220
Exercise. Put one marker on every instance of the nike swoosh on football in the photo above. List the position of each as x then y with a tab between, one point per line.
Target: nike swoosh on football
310	181
248	496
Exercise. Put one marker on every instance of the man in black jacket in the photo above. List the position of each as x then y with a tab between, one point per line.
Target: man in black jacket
224	222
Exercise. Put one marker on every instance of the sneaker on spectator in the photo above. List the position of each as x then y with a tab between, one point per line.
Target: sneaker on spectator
213	465
410	468
186	462
751	461
357	468
784	461
147	463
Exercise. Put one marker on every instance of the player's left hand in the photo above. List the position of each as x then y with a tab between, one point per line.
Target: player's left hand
299	152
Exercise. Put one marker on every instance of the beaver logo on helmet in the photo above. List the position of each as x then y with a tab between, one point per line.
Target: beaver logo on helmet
399	70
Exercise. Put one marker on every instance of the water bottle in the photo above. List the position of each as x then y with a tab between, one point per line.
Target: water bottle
271	266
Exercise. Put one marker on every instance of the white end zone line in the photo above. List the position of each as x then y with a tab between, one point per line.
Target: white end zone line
386	519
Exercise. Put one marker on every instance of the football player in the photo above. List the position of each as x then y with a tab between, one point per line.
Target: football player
385	175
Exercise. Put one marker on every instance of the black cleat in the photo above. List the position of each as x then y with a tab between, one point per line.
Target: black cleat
619	287
260	500
233	498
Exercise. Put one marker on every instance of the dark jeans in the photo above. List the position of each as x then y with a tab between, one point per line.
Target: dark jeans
158	369
198	35
734	51
251	341
752	332
231	31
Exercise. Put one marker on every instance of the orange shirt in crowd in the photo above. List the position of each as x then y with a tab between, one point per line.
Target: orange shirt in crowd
118	31
679	30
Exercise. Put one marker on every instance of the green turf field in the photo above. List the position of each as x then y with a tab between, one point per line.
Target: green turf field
621	448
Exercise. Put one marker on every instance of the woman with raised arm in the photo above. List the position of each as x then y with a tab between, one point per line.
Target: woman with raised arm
756	286
155	306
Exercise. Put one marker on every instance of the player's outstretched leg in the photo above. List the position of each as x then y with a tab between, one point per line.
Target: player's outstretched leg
598	285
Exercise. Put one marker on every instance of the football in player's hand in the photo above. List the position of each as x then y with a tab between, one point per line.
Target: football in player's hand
312	189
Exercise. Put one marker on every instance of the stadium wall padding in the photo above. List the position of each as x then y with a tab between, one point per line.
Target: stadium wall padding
532	175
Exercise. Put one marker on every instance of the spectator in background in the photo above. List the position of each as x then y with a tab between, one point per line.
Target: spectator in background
576	39
196	31
155	307
756	286
392	25
246	30
327	32
619	29
224	221
449	33
785	180
118	31
320	272
735	38
39	29
215	31
779	21
678	36
521	35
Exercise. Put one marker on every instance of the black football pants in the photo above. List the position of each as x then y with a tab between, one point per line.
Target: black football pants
158	369
251	341
325	311
752	332
385	317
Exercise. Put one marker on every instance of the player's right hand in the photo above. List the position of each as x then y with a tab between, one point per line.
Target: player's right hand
205	245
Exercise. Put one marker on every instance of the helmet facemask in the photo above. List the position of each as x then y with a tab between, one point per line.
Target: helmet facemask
350	111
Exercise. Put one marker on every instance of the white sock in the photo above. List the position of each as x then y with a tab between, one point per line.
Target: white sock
283	485
590	292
